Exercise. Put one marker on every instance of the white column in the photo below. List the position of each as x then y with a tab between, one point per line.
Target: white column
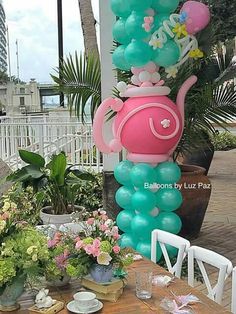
107	19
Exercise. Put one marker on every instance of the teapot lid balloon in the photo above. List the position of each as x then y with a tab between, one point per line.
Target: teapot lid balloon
146	81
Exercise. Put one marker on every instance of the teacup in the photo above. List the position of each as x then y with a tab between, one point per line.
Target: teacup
85	300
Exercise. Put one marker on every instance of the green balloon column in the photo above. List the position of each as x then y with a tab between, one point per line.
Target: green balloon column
149	196
148	124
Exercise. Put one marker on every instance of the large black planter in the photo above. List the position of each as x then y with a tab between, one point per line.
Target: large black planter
196	192
202	157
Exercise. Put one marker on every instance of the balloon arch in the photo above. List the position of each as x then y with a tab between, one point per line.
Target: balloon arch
148	124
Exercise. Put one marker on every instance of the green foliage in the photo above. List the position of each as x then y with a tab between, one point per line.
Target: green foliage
23	250
224	141
58	181
223	17
89	193
79	78
210	102
25	201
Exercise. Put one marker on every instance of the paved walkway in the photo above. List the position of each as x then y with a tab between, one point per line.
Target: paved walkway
219	228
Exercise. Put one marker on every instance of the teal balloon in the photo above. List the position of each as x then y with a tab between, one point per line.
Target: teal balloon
169	222
165	6
124	219
168	55
122	172
133	26
168	173
138	53
123	196
168	199
121	8
142	175
119	33
172	251
128	240
143	201
118	58
159	19
142	226
140	5
144	248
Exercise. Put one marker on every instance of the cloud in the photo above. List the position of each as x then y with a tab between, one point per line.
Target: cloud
34	25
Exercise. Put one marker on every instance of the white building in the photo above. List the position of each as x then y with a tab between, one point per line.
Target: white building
20	98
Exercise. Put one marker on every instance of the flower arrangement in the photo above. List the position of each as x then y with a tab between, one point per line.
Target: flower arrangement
24	200
23	250
100	244
61	260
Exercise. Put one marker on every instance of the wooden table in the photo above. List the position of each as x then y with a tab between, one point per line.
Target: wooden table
129	303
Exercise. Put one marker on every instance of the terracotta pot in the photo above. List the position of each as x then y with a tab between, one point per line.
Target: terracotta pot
196	191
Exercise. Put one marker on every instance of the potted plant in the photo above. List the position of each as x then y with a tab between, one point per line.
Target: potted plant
99	249
56	179
211	103
23	251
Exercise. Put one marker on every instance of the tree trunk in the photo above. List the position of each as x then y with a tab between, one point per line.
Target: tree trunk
88	26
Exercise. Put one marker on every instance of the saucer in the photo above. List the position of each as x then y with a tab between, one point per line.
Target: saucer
71	307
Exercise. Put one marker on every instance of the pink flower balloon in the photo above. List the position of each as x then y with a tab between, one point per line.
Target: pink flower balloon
198	16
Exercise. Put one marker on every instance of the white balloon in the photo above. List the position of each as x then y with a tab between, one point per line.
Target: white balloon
155	212
135	80
155	77
144	76
121	86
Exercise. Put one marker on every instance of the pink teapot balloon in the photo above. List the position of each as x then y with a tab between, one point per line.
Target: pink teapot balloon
148	124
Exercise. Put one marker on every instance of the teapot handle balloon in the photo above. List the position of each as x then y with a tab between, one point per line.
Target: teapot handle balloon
115	146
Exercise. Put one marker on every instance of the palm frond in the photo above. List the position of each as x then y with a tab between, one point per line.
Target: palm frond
79	78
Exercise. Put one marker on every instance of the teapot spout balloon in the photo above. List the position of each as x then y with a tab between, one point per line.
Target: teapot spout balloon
180	101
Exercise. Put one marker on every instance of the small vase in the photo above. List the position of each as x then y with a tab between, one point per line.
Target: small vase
11	293
59	282
101	273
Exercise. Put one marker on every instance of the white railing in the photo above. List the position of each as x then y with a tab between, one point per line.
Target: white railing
46	136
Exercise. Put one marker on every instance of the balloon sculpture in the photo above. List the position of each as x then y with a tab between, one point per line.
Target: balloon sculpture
149	125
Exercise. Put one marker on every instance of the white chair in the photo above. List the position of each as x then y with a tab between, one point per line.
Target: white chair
166	238
214	259
233	301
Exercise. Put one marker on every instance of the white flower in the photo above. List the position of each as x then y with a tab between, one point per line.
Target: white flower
31	249
2	225
6	206
34	257
165	123
171	72
104	258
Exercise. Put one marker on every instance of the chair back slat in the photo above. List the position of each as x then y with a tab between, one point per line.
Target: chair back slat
165	238
214	259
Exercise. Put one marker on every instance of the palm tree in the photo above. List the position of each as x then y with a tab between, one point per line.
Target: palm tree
88	23
79	78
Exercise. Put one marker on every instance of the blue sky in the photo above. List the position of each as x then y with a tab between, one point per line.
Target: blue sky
34	25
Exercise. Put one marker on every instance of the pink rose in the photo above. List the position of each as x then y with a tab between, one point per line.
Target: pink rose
104	217
116	249
90	221
79	245
103	227
96	243
89	249
51	243
5	216
96	251
116	236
